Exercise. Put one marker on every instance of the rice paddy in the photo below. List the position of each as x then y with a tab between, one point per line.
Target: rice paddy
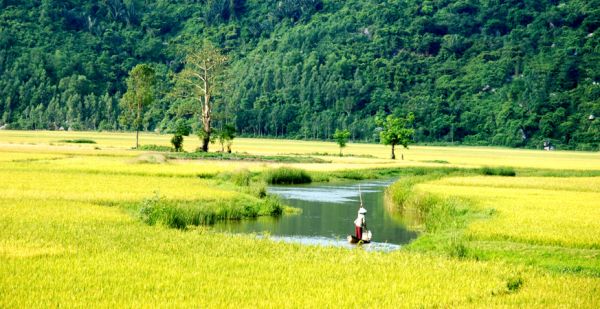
536	210
547	221
71	233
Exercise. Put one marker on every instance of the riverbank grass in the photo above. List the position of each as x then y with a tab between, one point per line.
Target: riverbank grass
181	214
547	222
287	176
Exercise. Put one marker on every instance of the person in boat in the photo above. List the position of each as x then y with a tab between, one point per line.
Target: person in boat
360	223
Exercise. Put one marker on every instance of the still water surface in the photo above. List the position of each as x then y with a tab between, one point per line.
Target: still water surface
328	212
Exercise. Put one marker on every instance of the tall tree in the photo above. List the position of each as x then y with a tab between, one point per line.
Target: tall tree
199	80
396	131
341	138
139	94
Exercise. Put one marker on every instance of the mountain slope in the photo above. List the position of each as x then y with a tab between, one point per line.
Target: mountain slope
512	73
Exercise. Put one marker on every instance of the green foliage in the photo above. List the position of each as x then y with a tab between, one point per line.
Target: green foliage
341	138
225	137
139	95
177	142
396	131
287	176
513	284
472	72
155	148
182	128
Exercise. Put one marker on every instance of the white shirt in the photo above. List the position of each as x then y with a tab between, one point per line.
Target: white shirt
360	220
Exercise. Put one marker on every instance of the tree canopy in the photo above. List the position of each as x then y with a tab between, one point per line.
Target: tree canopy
396	131
341	138
139	94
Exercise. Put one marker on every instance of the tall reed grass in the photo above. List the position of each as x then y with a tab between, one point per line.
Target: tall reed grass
287	176
181	214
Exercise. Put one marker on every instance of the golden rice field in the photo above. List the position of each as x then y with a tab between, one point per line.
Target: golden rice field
65	242
549	222
112	144
537	210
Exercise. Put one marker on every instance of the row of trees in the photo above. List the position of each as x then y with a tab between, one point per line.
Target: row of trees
200	79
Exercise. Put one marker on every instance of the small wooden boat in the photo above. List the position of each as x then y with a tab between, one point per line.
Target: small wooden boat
366	238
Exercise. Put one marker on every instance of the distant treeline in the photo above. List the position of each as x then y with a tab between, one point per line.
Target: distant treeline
511	73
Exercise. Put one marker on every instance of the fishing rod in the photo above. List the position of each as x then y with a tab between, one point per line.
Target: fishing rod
360	196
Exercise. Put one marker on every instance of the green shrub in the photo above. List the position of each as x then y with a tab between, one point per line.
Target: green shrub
271	206
177	142
287	175
513	284
498	171
155	148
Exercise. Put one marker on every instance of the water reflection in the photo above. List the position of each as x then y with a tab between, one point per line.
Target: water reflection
343	243
328	212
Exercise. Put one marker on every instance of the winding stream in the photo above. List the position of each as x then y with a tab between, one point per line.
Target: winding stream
328	212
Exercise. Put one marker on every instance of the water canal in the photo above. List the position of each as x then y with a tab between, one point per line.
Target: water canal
328	212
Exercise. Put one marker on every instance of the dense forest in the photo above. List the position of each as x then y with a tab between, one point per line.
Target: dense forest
478	72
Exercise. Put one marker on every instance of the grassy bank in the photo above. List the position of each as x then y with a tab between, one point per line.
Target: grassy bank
172	200
545	222
181	214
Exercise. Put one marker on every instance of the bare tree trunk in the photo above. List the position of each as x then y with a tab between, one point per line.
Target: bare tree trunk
206	121
137	125
393	154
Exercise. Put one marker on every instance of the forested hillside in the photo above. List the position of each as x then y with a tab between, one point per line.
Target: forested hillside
485	72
